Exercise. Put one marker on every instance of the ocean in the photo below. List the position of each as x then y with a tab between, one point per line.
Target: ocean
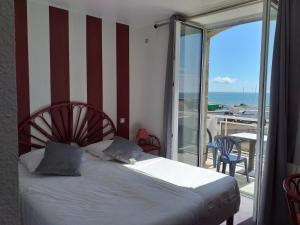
235	98
228	98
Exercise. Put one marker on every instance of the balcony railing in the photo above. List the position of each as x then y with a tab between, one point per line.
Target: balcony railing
227	125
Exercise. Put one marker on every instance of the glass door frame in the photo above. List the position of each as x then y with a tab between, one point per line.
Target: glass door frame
203	106
175	110
267	7
205	73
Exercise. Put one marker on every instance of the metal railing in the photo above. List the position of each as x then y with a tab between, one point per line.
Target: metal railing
223	122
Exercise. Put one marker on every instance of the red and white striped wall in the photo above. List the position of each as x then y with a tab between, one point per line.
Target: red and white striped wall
68	56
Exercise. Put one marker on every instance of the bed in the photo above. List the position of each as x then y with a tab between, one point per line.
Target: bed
153	191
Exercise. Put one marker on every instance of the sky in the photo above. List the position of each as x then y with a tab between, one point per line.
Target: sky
234	63
235	59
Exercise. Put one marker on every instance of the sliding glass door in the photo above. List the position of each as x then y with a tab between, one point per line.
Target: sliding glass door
188	96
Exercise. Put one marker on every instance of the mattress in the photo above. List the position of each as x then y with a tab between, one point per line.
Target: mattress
154	191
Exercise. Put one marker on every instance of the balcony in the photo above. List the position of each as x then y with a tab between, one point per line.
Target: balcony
243	126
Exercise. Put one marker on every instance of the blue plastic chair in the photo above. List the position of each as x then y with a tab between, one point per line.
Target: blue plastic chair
225	146
211	146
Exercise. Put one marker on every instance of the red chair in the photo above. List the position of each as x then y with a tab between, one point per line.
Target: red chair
147	141
291	186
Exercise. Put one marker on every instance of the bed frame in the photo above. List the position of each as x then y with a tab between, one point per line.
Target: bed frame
69	122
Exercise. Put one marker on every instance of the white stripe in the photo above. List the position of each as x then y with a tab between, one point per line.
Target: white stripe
77	48
109	69
39	60
39	55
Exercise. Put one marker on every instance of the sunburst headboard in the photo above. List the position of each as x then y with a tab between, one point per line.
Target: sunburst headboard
72	122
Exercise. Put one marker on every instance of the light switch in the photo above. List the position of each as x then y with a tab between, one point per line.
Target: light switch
122	120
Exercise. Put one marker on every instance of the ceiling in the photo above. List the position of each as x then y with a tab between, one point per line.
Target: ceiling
138	13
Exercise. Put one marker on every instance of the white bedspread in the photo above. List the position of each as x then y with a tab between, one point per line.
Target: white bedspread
175	172
109	193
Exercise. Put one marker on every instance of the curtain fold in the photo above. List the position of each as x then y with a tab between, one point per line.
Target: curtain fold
284	114
168	98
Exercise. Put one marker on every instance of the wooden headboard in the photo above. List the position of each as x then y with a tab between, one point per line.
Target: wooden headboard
71	122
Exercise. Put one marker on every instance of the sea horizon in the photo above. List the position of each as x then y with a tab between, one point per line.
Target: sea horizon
228	98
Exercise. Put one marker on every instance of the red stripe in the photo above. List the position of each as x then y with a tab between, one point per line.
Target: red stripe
94	61
59	55
22	71
59	65
122	39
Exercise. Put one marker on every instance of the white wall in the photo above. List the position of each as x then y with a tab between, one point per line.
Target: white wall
109	69
77	57
147	78
38	55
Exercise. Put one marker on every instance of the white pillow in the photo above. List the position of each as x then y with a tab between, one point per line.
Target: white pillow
32	159
97	149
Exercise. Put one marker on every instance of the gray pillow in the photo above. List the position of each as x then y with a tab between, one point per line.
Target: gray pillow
123	150
61	160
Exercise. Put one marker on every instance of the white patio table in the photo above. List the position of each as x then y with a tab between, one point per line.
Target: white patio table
252	140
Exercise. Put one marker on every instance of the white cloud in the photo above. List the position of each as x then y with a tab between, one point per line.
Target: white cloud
224	80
